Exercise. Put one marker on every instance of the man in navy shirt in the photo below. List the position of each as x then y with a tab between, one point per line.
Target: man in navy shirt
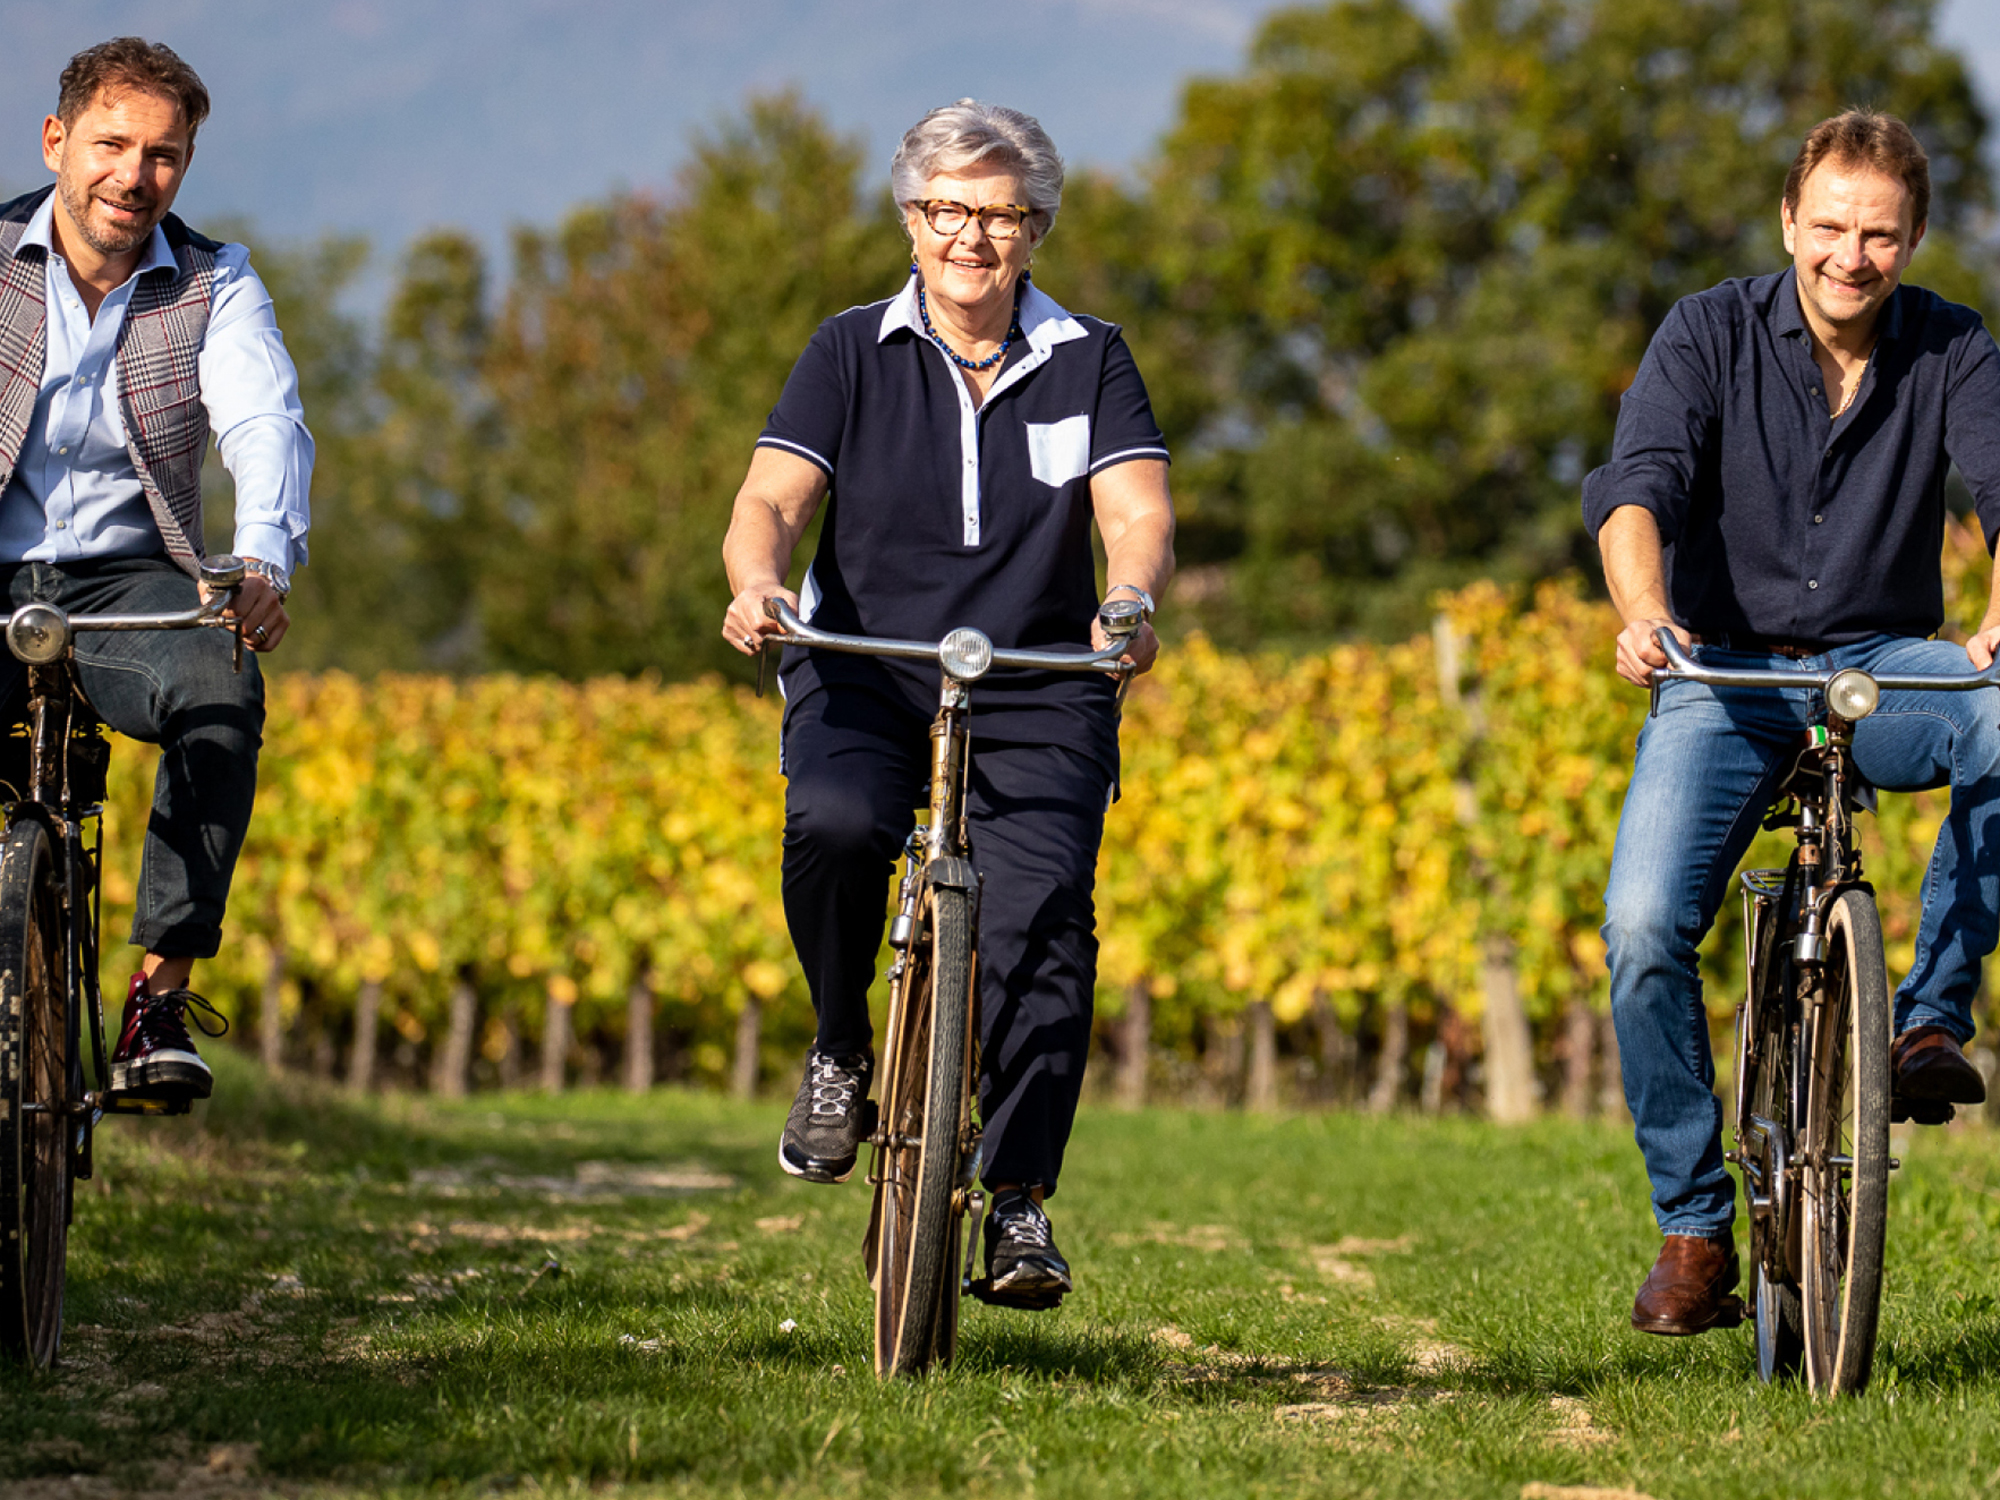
1775	496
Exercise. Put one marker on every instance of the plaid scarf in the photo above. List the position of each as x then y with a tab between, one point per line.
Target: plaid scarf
159	386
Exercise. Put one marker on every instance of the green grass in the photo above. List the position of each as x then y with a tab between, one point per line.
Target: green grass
299	1292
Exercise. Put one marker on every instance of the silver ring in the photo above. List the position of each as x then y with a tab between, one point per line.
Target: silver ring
749	643
258	631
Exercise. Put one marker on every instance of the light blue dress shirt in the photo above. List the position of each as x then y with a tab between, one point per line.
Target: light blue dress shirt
75	493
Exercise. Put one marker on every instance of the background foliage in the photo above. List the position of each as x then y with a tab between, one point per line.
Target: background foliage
1291	833
1386	279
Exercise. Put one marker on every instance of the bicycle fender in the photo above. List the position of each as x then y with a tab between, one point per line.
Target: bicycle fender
953	873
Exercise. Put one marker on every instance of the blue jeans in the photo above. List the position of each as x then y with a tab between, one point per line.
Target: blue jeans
176	689
1708	767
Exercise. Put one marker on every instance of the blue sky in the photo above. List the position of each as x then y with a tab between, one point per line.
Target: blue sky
388	117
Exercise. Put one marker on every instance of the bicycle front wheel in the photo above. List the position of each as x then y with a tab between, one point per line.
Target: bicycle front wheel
1764	1056
35	1034
1844	1166
925	1124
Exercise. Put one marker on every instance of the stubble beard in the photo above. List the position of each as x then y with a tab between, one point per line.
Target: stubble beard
77	201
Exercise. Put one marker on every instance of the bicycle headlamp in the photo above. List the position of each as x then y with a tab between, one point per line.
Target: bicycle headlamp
966	654
1852	694
38	633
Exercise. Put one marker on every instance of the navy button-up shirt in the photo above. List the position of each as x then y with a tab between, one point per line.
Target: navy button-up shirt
942	513
1778	520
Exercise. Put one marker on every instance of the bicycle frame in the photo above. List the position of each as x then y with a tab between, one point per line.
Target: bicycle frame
939	859
68	761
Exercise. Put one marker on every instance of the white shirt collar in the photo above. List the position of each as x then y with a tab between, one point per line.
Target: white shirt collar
1044	321
40	233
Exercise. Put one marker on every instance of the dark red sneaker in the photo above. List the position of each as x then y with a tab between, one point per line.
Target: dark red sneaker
155	1057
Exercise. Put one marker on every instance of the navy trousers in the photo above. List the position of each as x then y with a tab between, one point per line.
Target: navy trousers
856	765
176	689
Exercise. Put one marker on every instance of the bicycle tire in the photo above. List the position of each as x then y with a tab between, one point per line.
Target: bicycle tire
35	1070
1845	1213
927	1108
1777	1317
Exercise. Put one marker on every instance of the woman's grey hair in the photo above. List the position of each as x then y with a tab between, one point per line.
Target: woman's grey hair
955	136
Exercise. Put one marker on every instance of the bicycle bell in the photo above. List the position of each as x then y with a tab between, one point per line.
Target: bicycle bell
1121	618
38	633
223	571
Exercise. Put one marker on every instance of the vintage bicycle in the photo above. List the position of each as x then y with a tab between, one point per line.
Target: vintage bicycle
1812	1085
925	1137
52	774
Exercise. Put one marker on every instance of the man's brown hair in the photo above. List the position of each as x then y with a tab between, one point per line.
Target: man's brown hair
131	62
1863	138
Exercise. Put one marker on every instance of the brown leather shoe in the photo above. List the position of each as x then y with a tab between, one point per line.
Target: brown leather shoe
1690	1287
1926	1063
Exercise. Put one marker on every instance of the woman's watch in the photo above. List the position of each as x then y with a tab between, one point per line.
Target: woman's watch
1144	598
271	573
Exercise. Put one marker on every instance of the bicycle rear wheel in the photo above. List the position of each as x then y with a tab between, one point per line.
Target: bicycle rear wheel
926	1121
1844	1150
35	1039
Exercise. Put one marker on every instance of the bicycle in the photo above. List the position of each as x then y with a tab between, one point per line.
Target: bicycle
1813	1098
49	924
927	1145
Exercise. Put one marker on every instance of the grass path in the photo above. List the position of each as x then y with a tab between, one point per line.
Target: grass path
297	1294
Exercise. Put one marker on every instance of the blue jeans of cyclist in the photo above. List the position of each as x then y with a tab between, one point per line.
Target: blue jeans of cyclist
176	689
1708	767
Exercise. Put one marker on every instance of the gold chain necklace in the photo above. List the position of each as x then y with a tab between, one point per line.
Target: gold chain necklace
1848	400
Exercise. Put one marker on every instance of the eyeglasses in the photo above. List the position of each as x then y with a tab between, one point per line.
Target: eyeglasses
1001	221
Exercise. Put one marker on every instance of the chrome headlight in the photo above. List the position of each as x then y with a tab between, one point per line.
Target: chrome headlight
38	633
1852	694
966	654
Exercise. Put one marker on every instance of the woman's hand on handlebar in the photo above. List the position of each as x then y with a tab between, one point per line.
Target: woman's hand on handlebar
1143	650
746	626
1983	647
1639	654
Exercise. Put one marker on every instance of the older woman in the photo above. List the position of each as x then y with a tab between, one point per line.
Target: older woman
963	435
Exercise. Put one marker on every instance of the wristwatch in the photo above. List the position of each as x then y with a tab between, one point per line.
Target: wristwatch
271	573
1143	597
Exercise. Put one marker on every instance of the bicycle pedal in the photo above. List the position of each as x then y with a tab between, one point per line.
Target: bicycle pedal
1920	1111
982	1290
155	1105
868	1116
1730	1312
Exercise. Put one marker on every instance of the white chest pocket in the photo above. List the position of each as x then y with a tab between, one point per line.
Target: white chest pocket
1059	451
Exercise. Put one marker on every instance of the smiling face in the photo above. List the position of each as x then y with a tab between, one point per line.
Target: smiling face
970	269
1850	238
118	165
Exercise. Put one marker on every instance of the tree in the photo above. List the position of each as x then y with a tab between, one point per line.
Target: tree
1395	275
639	350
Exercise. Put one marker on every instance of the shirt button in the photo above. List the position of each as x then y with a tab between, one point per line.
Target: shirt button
1812	583
1818	519
62	450
62	526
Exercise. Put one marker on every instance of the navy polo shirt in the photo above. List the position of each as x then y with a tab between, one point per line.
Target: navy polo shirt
942	514
1778	520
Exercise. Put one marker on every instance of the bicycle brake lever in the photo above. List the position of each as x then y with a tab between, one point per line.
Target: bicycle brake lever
760	669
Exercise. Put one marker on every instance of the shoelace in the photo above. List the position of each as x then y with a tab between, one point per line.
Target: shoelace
1026	1223
833	1088
167	1010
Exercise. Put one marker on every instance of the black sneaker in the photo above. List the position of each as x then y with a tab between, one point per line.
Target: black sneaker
155	1057
1023	1267
830	1118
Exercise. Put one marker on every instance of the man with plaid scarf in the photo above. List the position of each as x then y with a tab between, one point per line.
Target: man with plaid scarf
126	341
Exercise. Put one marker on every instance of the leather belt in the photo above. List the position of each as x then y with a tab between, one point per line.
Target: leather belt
1761	645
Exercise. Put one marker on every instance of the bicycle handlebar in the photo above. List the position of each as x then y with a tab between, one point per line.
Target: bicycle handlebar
965	660
39	633
1681	665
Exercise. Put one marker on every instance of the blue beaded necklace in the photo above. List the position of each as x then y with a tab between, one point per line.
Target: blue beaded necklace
1013	332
